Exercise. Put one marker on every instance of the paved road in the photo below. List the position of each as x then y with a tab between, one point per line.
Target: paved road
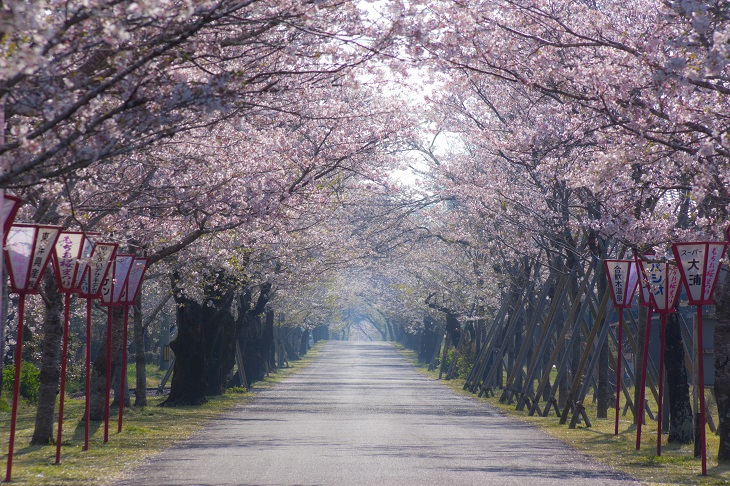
362	415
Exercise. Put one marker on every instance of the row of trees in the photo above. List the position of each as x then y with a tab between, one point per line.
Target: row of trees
249	148
579	131
561	135
213	137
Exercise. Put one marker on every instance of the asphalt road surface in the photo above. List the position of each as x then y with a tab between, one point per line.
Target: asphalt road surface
360	414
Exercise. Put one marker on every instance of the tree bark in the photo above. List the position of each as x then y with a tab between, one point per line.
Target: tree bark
3	320
304	343
603	392
140	360
269	338
428	340
219	327
205	347
641	338
722	367
98	369
188	378
680	410
254	338
50	372
116	382
292	337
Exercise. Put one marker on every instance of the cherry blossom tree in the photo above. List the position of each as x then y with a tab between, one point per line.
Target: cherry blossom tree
102	80
95	98
245	147
633	96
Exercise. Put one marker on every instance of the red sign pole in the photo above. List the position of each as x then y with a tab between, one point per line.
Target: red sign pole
129	297
111	295
87	404
64	357
16	384
620	313
90	286
645	300
66	263
124	370
107	388
699	264
28	251
8	208
664	281
622	279
660	404
701	391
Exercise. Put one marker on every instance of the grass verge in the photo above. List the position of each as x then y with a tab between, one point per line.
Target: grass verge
147	431
676	465
153	373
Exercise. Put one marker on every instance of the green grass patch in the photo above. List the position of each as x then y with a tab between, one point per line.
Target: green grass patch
153	374
147	431
676	465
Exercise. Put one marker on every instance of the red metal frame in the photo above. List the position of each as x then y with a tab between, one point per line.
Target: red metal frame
705	299
629	289
31	285
133	287
11	214
644	300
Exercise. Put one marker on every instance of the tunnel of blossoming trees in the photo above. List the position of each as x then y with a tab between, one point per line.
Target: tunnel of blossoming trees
449	175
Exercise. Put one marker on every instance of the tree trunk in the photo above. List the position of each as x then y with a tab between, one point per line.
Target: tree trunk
98	369
680	410
603	392
428	340
3	320
116	382
722	367
280	351
188	377
304	343
268	338
641	338
140	361
50	362
220	335
254	337
205	347
292	338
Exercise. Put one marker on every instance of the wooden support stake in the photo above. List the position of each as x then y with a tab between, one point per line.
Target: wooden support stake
527	343
508	334
587	352
478	370
541	347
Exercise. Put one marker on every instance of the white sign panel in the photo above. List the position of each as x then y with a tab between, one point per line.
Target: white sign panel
664	280
699	264
622	279
68	251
